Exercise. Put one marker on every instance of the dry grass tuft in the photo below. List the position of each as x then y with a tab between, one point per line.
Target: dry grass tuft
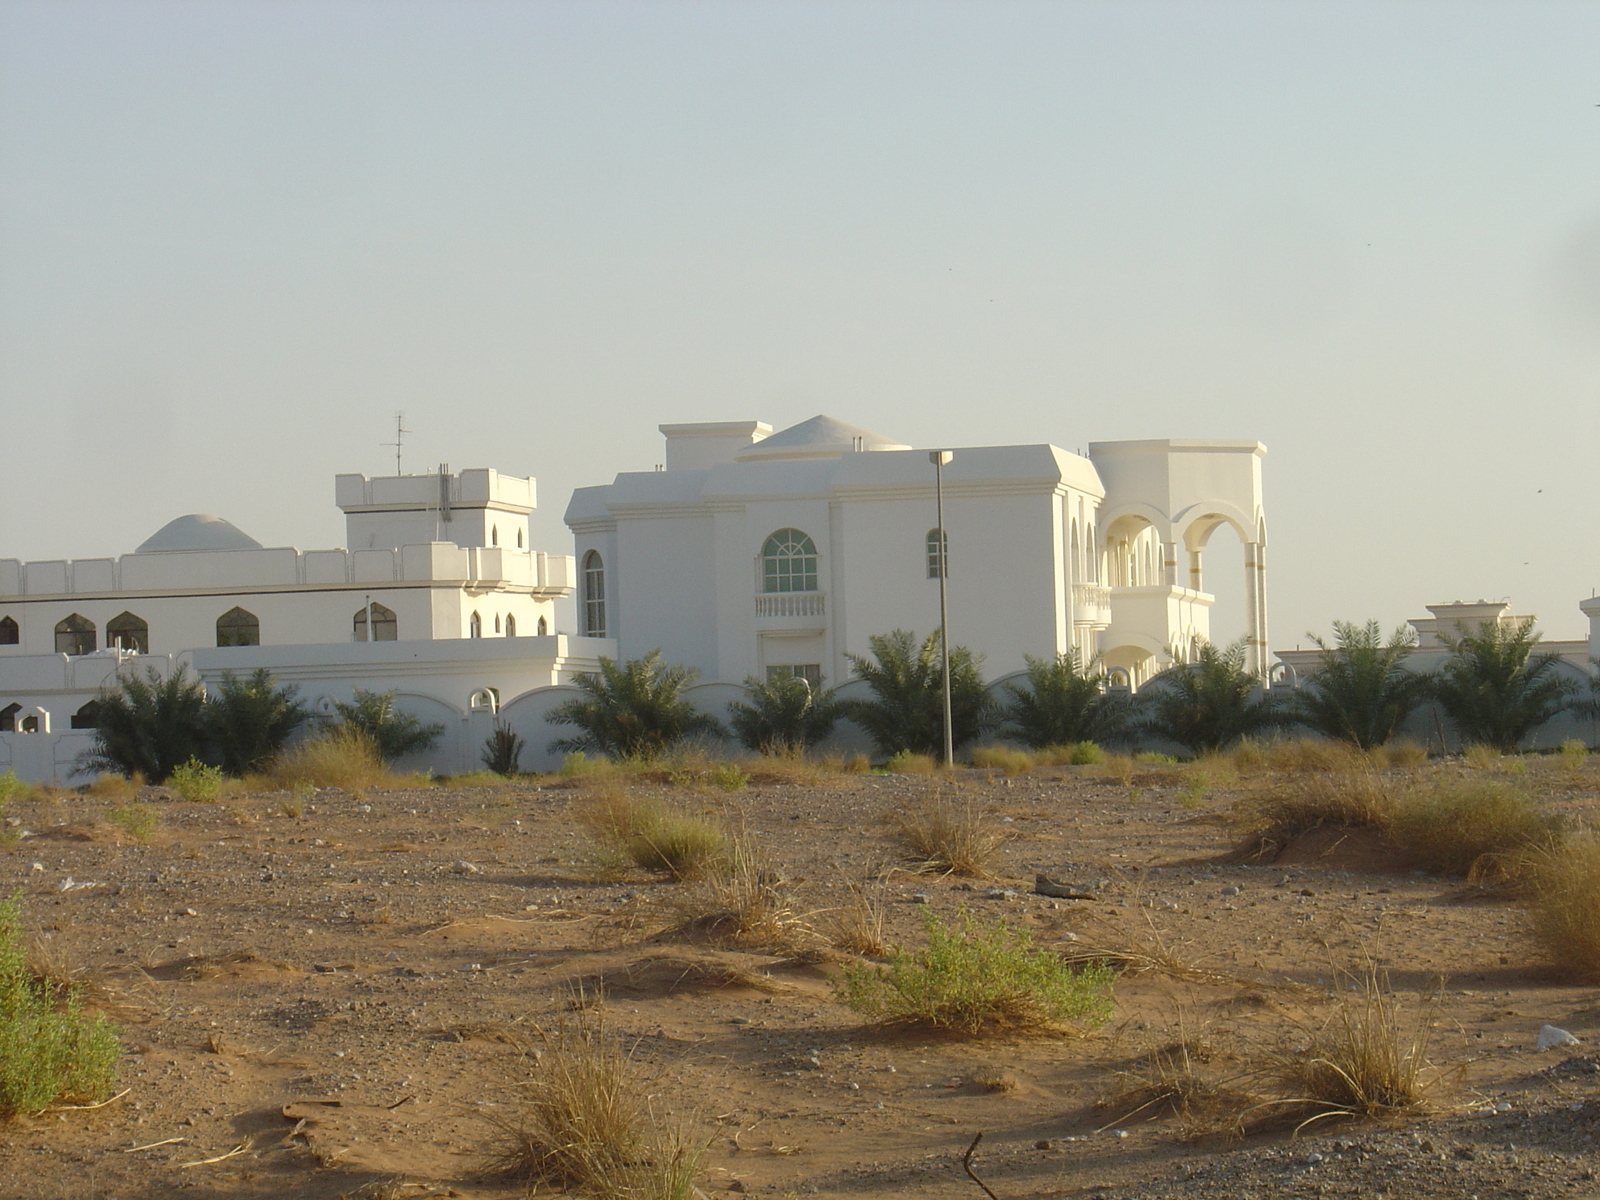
590	1117
748	902
906	762
947	834
1481	828
1120	767
1316	755
115	787
1171	1081
1005	759
341	757
858	927
1563	903
1270	819
646	833
996	1081
1404	753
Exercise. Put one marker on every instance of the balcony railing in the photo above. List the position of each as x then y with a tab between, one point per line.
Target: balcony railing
791	604
1091	595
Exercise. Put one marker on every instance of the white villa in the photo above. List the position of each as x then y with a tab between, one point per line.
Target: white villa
750	553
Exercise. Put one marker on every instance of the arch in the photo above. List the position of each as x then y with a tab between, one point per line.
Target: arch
75	634
594	595
511	625
1135	663
494	535
385	625
938	548
519	539
475	626
1128	544
8	718
128	632
484	700
543	627
497	622
87	717
33	723
789	562
1075	567
10	632
238	627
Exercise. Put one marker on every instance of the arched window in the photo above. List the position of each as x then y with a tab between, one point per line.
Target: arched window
8	718
494	535
497	622
87	717
511	625
385	626
75	635
938	553
544	627
519	539
594	595
128	632
789	562
475	626
10	634
236	627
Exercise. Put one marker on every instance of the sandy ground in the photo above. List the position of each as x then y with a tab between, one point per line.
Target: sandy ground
342	998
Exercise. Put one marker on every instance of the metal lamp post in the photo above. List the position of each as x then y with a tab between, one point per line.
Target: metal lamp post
941	459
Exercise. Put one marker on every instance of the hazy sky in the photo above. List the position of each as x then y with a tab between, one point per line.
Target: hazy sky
236	237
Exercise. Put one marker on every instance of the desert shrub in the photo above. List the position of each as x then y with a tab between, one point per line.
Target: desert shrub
342	757
730	777
1002	758
110	786
195	782
1273	817
249	721
148	724
906	680
1574	754
1361	692
1120	767
1563	903
1154	758
944	833
502	750
1481	758
392	733
1208	703
11	788
1086	754
653	836
1457	827
858	926
974	979
748	899
908	762
846	764
578	765
50	1049
1400	753
783	716
1062	701
138	821
1304	754
590	1117
634	709
1496	690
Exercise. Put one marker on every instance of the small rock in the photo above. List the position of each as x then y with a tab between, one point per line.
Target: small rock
187	912
740	1020
37	867
1042	1144
1229	890
1551	1036
999	894
463	867
1314	1158
920	897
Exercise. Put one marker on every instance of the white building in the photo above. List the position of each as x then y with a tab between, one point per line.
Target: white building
439	573
749	552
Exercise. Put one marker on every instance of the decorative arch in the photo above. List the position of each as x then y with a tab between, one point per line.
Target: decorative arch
938	547
128	632
497	622
494	535
594	595
238	627
8	718
475	626
385	625
10	632
789	562
75	634
543	627
87	717
484	700
511	625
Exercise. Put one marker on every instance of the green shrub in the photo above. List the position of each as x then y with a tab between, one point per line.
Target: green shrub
784	716
138	821
1495	689
577	764
634	709
502	750
730	777
908	762
1208	703
10	787
196	782
906	680
1063	702
148	725
1086	753
50	1049
1361	692
975	980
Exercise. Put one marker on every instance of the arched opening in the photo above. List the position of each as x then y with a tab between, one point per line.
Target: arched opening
385	625
1216	566
75	635
238	627
937	544
494	535
594	595
497	622
511	625
1134	663
10	633
789	562
543	627
475	626
87	717
8	718
128	632
30	724
519	539
484	700
1131	551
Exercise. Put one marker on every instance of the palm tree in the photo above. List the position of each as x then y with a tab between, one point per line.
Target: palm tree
1208	703
1361	692
1064	702
393	732
783	716
149	725
1495	689
635	710
250	720
908	682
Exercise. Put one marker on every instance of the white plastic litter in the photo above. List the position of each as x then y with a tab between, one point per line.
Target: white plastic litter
1551	1036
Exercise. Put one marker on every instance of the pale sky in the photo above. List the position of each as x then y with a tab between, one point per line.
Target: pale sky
236	237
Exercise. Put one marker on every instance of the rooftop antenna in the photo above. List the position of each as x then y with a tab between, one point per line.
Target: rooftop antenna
400	432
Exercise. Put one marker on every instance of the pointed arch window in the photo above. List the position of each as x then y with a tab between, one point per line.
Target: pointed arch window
511	625
594	595
87	717
475	626
789	562
544	627
238	627
10	632
75	635
938	545
8	718
385	625
128	632
494	535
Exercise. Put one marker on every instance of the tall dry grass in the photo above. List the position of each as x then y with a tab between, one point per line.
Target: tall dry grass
1562	903
1271	818
341	757
947	833
1474	827
859	926
644	832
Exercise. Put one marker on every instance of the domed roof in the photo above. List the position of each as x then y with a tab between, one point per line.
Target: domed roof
198	531
820	437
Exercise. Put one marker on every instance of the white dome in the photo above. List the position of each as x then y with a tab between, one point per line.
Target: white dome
820	437
198	531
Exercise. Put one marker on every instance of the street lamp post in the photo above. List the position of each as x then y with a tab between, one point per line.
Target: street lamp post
941	459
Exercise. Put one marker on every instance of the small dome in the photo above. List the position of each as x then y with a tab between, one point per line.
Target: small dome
198	531
820	437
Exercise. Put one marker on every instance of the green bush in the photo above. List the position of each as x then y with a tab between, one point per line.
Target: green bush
10	787
1496	690
1208	703
196	782
908	683
138	821
502	750
250	720
393	732
148	725
974	980
784	716
1361	691
1063	703
634	709
50	1049
1086	754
